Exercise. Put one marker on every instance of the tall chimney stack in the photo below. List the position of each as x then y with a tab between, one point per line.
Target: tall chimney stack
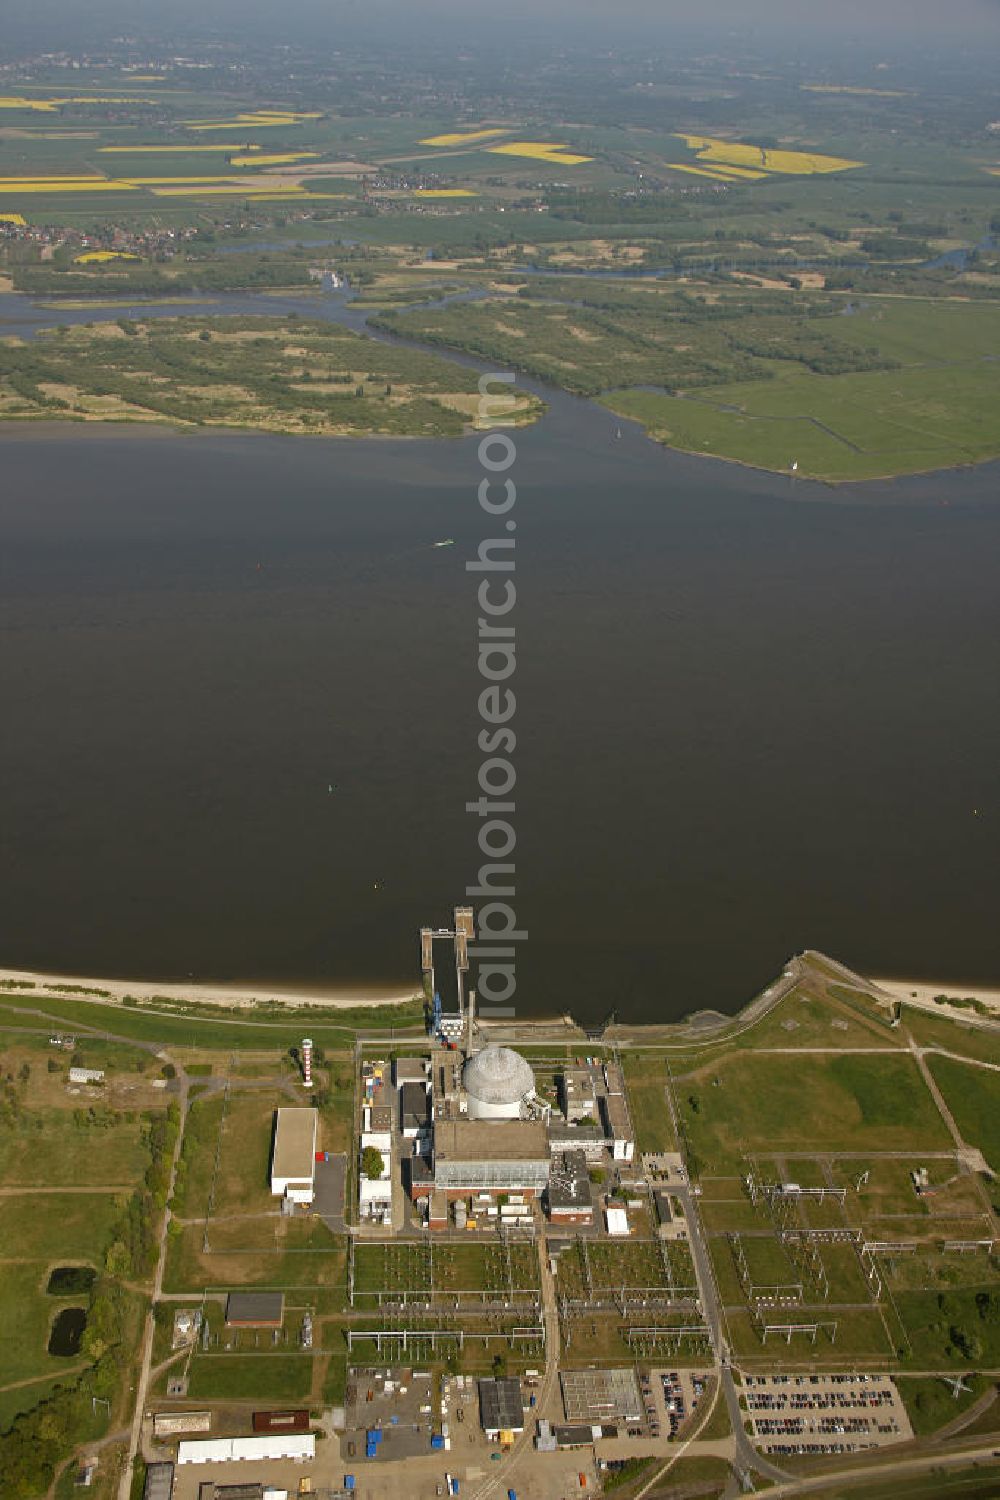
307	1062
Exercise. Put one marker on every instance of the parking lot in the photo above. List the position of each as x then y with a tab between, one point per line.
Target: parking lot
825	1413
407	1407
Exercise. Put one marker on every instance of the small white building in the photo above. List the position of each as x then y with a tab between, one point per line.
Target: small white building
293	1158
617	1221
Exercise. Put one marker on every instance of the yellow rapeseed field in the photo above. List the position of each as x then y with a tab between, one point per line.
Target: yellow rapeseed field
17	219
216	149
257	119
98	257
63	185
460	138
540	151
48	106
284	194
717	174
793	163
445	193
222	188
281	159
170	181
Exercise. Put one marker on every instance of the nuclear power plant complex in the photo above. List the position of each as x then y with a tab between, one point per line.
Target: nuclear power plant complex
462	1132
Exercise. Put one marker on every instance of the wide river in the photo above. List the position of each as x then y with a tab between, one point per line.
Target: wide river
752	715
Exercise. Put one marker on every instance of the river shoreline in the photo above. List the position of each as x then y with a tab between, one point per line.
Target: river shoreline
927	992
24	983
334	310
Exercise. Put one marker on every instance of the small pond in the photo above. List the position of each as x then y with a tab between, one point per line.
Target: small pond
67	1331
71	1281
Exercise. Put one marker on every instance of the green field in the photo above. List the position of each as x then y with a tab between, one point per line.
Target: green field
76	1226
196	1168
977	1482
932	1404
973	1096
930	1030
193	1029
25	1315
302	1253
646	1078
861	1333
263	1377
50	1148
768	378
954	1329
768	1103
845	427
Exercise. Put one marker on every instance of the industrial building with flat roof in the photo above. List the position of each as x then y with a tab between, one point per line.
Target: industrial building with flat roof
569	1197
490	1156
579	1101
255	1490
281	1421
255	1309
501	1407
300	1447
159	1483
601	1395
293	1155
414	1109
619	1126
167	1424
410	1070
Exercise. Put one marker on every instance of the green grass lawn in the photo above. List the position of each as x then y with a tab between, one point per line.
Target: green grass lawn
242	1184
192	1030
932	1320
55	1152
24	1397
26	1312
272	1377
75	1226
767	1103
645	1079
835	427
974	1483
196	1168
861	1333
931	1030
307	1256
808	1018
973	1096
931	1403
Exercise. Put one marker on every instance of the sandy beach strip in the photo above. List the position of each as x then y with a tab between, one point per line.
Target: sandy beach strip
926	992
236	996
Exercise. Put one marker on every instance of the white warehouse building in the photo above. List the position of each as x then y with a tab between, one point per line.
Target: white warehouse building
293	1156
299	1447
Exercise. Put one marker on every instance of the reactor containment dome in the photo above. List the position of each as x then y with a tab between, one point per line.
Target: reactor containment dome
499	1083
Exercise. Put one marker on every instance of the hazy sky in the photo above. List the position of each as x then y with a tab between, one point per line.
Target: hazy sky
961	21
